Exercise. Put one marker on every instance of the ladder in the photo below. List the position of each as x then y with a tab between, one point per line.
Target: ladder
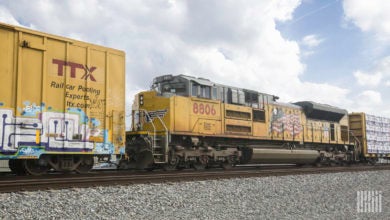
158	149
357	144
160	139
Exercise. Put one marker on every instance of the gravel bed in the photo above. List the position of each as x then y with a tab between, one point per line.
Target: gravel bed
325	196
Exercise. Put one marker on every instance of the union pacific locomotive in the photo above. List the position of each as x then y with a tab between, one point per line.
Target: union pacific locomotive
193	122
62	105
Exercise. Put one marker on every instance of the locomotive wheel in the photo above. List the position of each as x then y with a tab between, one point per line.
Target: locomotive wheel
228	164
33	167
150	169
16	166
173	162
199	166
85	165
202	163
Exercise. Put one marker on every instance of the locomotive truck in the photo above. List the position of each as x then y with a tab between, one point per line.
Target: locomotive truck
62	106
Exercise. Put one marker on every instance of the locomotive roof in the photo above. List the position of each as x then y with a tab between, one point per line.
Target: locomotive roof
201	81
207	82
322	111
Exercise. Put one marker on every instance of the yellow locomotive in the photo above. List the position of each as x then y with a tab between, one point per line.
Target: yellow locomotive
185	121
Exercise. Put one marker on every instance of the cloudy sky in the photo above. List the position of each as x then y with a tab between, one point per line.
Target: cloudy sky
335	51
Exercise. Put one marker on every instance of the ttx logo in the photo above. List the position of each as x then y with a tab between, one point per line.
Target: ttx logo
73	66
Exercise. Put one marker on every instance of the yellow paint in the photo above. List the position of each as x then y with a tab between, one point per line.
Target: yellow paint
357	123
110	135
260	129
37	136
96	139
27	157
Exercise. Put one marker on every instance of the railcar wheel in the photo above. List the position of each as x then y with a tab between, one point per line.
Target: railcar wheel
372	161
33	167
86	164
16	166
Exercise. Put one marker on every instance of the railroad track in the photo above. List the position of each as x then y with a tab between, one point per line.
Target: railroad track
56	181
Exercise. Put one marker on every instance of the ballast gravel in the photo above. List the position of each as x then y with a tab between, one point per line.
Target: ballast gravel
324	196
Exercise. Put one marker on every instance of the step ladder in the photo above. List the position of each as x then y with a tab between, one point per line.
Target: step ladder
160	139
158	149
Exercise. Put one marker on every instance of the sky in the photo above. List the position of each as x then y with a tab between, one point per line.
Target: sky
333	52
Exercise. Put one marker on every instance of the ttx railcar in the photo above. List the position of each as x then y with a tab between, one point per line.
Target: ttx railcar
62	106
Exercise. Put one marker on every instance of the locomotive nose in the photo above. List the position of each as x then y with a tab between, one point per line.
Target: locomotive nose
144	159
140	150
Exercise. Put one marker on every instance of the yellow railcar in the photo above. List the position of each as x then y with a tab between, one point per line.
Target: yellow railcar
61	101
373	134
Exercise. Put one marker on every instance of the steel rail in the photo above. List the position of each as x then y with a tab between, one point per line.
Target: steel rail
56	181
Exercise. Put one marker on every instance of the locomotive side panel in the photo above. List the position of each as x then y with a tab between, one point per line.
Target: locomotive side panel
325	132
148	108
205	116
285	123
237	120
181	116
276	122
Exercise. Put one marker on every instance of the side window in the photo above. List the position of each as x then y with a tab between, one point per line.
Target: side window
214	93
261	101
251	99
222	94
229	96
234	96
206	92
241	97
194	90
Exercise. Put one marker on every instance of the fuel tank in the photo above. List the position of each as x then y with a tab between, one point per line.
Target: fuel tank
277	156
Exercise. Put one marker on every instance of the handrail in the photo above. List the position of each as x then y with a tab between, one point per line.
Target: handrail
166	138
154	128
154	132
356	141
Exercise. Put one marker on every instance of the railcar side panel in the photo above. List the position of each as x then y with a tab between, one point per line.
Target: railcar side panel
373	134
59	96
